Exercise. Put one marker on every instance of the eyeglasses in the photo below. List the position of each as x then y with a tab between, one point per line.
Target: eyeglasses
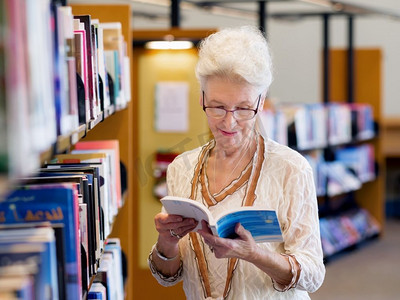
239	113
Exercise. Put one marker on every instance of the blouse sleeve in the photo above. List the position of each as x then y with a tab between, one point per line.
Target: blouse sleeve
301	229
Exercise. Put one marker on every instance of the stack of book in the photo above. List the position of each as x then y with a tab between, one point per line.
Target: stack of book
108	283
30	263
79	195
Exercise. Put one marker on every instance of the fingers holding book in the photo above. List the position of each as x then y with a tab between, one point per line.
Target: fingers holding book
174	227
242	246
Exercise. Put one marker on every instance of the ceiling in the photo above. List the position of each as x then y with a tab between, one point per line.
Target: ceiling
205	13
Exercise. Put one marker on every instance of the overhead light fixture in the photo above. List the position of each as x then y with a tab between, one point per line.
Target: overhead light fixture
169	45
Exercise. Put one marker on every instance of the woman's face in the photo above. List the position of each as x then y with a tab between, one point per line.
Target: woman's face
223	93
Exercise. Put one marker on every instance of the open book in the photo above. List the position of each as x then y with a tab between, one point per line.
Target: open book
263	224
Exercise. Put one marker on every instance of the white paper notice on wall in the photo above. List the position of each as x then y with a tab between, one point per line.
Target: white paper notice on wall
171	107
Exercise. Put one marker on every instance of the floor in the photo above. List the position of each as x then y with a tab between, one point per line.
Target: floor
370	272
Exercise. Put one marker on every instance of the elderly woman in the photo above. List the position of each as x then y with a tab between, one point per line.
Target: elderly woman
237	168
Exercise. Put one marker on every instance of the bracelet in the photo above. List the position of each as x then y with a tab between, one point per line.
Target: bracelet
166	278
161	256
294	272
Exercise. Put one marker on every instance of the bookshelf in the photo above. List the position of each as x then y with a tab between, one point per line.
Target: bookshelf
343	144
117	122
122	126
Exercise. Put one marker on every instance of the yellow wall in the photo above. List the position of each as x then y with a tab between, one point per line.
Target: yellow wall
154	66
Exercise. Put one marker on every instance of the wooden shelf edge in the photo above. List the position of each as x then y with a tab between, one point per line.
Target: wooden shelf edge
92	123
109	111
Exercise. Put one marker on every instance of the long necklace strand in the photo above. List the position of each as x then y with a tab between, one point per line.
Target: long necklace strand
240	159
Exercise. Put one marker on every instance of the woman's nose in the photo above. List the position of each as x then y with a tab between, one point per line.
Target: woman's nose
229	119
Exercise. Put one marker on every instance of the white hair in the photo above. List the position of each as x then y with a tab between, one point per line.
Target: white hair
239	53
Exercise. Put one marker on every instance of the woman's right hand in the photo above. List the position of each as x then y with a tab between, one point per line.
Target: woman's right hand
171	228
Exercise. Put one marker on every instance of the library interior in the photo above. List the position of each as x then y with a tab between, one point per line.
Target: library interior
99	97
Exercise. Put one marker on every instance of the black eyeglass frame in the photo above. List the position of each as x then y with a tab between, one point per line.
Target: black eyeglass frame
233	110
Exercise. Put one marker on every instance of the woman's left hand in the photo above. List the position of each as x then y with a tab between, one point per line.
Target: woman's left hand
243	247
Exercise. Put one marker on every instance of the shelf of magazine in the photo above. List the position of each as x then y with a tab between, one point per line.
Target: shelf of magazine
306	127
347	230
345	169
338	141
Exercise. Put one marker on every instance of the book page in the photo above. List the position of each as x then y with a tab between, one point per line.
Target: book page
187	208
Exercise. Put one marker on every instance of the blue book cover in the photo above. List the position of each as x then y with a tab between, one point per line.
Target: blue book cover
115	249
97	291
33	244
55	203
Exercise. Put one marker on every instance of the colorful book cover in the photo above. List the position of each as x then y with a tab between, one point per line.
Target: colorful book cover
56	203
33	244
82	70
69	43
106	275
113	51
105	92
113	246
97	106
86	20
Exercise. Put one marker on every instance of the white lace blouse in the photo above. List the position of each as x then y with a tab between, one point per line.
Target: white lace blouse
285	184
